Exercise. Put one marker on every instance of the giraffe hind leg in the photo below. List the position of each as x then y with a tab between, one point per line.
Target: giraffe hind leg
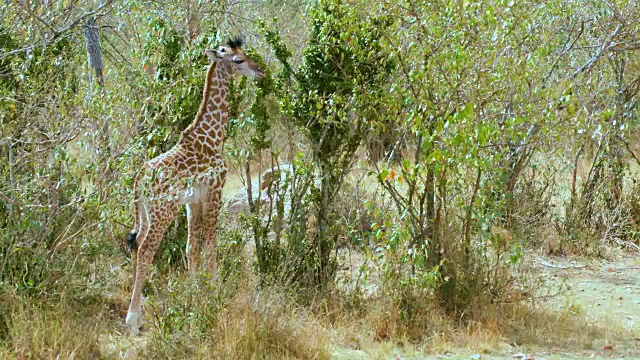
210	216
158	220
134	315
131	241
135	237
132	238
194	218
140	227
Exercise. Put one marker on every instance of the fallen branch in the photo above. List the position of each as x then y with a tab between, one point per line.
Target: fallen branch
628	244
548	264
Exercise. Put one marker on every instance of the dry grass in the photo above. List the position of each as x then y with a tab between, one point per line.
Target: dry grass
52	330
237	320
270	326
380	328
234	320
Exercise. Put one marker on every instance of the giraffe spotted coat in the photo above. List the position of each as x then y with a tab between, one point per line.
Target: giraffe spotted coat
192	173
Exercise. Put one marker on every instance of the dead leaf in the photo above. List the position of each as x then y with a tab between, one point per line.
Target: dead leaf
608	347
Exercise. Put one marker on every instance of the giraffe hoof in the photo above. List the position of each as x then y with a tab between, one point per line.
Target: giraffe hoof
134	322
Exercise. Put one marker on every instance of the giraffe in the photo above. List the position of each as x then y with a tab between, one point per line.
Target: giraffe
192	173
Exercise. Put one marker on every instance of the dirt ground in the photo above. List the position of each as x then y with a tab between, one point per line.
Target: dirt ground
606	292
609	293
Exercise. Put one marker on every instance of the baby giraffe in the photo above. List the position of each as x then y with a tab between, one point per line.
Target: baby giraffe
192	173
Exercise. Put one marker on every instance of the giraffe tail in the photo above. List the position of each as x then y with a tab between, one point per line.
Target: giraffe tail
131	237
131	241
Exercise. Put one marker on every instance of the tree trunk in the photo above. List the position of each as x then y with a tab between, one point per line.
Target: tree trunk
592	180
616	168
468	219
12	179
93	48
569	216
433	253
254	221
324	248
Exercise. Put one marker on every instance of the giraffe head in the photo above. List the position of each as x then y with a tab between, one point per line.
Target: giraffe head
231	54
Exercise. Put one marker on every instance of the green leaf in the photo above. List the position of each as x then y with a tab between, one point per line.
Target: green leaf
383	174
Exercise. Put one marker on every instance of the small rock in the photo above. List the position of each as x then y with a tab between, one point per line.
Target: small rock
475	357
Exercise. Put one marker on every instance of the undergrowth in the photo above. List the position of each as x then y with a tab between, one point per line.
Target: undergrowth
237	318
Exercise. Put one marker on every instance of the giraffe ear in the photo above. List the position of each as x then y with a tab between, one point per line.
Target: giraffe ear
211	55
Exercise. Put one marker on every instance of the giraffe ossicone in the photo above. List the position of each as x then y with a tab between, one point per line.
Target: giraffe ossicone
192	173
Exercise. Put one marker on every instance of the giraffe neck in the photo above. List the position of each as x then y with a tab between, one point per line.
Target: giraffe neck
206	132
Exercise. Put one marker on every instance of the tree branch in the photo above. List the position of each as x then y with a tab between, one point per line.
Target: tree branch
628	146
563	52
57	33
606	46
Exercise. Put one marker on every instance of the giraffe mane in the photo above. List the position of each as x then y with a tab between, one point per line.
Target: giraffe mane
203	105
235	43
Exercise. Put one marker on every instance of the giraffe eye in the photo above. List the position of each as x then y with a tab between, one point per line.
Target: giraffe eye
238	61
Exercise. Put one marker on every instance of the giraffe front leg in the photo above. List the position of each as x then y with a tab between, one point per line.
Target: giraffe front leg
210	227
158	222
194	218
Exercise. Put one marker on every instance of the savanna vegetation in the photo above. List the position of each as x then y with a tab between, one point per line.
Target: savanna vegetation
433	151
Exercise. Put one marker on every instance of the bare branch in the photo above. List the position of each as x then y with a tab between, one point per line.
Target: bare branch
563	52
57	33
628	146
6	200
606	46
